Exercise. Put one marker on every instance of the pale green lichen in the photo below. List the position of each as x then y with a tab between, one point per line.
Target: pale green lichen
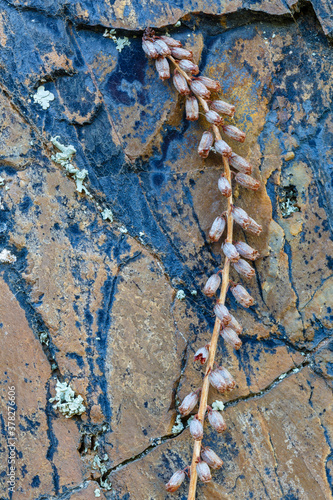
64	159
98	464
2	181
106	484
43	97
44	338
178	425
120	42
218	405
107	214
180	295
6	257
194	293
97	492
66	401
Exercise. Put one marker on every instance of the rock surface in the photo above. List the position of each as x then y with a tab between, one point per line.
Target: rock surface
112	305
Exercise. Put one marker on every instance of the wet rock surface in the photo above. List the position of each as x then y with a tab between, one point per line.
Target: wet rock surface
93	300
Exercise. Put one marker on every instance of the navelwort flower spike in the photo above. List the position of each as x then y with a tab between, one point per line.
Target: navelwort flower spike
172	60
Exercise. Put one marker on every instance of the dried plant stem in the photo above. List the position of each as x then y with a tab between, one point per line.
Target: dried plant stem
214	339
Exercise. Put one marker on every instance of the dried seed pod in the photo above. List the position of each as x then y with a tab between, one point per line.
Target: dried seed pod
212	284
229	379
242	296
192	108
244	268
180	53
216	420
171	42
247	181
217	229
217	380
162	48
205	144
234	133
189	403
240	216
180	83
163	68
240	164
253	227
237	327
202	354
175	481
203	472
196	429
222	313
231	337
230	251
189	66
223	148
213	117
209	83
149	49
246	251
223	107
224	186
209	456
199	89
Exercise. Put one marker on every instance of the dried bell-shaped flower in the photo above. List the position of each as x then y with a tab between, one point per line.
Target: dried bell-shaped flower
253	227
203	472
213	117
229	379
244	268
242	296
180	83
223	148
231	337
172	42
162	48
188	403
237	327
217	229
222	313
202	354
209	83
217	380
223	107
196	429
205	144
209	456
247	181
234	133
192	108
216	420
212	284
240	164
230	251
199	89
180	53
149	49
246	251
224	186
175	481
163	68
240	216
189	66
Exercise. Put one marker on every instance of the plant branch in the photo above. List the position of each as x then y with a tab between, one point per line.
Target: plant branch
214	339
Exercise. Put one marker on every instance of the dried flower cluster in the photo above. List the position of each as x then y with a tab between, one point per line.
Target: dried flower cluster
201	91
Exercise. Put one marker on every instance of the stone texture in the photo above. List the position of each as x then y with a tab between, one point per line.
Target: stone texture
95	304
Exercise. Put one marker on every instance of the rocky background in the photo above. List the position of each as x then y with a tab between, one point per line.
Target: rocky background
93	302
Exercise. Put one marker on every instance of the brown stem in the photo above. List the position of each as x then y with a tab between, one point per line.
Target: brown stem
214	339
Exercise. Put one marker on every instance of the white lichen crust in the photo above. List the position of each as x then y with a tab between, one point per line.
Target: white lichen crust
66	401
